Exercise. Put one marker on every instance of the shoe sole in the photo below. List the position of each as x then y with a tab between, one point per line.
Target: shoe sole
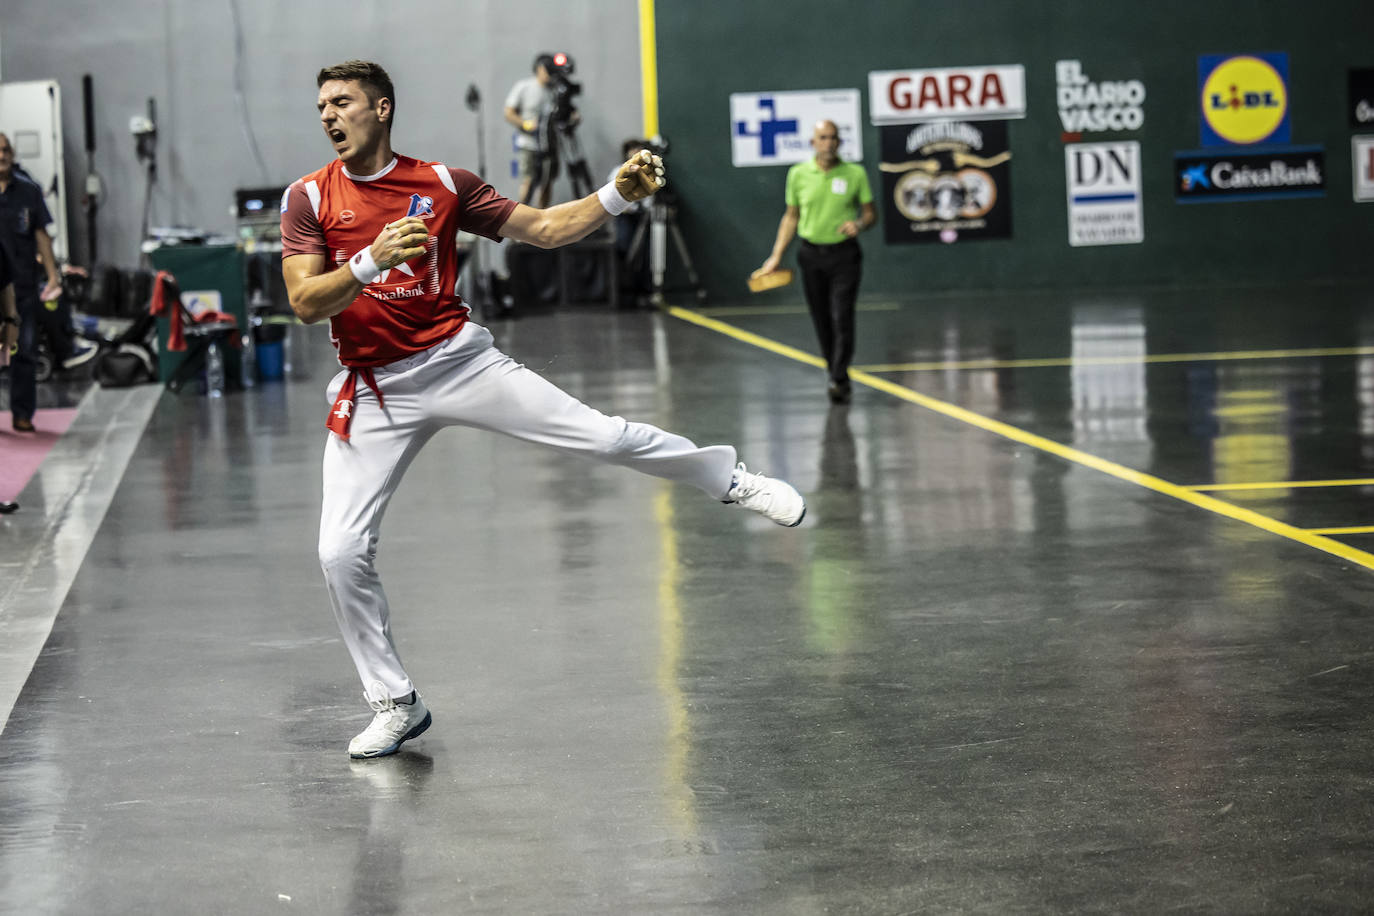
799	519
388	751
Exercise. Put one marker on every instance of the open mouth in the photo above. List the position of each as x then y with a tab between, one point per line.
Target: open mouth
336	135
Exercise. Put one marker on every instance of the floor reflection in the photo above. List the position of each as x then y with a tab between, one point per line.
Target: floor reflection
397	789
974	651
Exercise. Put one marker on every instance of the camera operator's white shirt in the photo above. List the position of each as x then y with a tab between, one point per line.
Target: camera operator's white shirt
532	102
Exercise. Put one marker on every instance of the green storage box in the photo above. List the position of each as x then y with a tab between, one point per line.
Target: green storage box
215	274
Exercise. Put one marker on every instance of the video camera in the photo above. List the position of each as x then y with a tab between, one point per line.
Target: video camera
560	68
657	144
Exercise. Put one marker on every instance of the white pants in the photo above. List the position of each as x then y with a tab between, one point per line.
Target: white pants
464	381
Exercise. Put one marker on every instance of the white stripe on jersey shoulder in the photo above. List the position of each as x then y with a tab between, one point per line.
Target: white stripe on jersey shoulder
389	166
312	190
445	176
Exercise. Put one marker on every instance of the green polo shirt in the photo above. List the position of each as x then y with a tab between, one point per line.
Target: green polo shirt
826	199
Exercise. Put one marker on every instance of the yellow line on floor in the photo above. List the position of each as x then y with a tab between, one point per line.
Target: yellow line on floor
1052	362
1285	484
1358	529
1121	472
741	311
749	337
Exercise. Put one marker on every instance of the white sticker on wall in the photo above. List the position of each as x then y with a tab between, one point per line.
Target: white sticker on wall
1103	181
775	128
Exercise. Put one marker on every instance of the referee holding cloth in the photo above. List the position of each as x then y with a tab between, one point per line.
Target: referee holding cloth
828	204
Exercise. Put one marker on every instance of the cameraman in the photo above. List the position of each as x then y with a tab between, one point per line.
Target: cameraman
528	108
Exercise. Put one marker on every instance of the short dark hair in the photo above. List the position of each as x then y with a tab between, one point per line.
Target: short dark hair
370	76
546	59
631	145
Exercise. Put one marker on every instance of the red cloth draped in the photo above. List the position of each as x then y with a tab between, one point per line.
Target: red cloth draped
341	414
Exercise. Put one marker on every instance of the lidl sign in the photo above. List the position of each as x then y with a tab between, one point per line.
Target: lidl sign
1244	99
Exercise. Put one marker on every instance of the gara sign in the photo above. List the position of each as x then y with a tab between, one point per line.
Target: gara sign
909	96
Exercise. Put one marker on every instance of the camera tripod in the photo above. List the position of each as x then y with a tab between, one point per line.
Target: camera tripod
581	179
659	221
559	137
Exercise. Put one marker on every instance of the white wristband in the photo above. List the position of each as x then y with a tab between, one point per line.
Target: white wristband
611	199
364	267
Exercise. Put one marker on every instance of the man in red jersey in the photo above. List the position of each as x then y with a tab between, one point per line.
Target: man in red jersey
368	242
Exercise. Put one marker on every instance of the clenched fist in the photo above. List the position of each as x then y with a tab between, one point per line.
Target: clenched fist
400	241
640	176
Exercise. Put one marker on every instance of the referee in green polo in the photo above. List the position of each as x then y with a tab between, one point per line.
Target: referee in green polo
828	204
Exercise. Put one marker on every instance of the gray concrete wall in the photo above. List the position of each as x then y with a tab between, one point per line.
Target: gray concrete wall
231	75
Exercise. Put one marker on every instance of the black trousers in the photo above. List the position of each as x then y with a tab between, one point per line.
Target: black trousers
830	278
36	324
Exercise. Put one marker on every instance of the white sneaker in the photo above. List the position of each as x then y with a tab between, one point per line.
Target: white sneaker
394	724
776	499
80	356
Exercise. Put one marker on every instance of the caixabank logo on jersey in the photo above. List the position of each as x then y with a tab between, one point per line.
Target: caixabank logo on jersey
1244	99
1206	175
946	181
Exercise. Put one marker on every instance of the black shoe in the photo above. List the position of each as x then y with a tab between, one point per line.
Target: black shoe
839	392
7	508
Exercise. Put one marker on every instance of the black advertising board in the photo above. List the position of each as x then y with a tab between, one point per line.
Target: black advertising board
1362	98
945	181
1204	176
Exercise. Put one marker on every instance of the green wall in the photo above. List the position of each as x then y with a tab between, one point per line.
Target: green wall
708	49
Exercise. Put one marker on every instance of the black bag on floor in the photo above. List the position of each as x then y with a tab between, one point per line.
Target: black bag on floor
128	359
125	365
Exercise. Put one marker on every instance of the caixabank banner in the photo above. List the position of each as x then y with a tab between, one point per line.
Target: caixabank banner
1243	99
1204	176
945	181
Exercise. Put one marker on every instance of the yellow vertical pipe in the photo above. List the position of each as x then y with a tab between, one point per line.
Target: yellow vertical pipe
648	66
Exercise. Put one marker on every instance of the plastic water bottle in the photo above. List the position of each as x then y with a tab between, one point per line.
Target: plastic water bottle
248	361
214	371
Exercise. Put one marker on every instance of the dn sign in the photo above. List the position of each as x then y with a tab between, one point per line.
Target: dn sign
1244	99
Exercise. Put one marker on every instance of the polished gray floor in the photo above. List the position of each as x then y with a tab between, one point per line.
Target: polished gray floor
982	677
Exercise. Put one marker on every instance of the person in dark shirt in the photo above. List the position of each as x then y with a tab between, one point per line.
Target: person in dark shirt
9	334
25	240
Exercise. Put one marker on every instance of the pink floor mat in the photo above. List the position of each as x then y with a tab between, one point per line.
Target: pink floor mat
22	453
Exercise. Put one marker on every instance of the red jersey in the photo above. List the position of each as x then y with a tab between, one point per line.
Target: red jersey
412	306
